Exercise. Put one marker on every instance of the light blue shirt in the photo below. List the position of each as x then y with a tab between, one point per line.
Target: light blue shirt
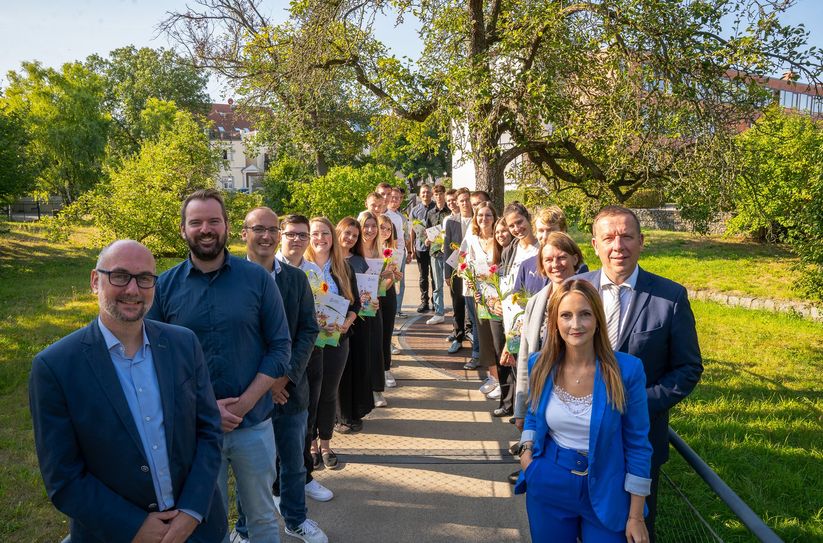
139	382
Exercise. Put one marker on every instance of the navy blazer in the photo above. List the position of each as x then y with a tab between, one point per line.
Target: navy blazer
619	450
298	302
91	456
659	329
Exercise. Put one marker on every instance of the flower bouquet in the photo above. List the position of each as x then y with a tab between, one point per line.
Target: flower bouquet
490	293
514	308
389	263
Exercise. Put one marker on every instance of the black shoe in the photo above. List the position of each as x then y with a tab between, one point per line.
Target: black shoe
330	459
423	308
502	412
512	420
451	337
356	426
513	477
317	460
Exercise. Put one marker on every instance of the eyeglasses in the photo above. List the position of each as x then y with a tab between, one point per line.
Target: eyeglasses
122	279
302	236
259	230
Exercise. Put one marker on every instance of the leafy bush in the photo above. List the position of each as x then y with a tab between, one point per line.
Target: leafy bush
142	199
339	193
279	179
238	204
779	194
646	199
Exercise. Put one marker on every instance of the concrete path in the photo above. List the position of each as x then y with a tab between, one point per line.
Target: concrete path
433	465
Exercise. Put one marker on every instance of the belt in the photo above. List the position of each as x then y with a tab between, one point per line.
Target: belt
577	462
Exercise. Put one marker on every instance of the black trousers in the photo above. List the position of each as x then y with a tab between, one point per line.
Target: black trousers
388	305
426	271
314	374
334	362
459	307
651	503
505	374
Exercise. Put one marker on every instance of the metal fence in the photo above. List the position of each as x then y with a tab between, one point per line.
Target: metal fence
679	521
29	209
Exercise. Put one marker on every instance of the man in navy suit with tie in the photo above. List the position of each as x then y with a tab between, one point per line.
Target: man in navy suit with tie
126	425
649	317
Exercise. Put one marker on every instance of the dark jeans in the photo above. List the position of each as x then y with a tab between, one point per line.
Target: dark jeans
505	374
314	374
425	268
334	362
388	305
459	306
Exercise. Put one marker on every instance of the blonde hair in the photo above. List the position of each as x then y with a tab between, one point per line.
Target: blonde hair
552	216
552	355
339	266
374	249
390	243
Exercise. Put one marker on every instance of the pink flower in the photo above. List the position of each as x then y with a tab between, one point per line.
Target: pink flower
493	268
463	266
387	253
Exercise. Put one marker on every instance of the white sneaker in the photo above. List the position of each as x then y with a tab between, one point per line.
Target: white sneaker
494	394
318	492
390	380
309	531
395	349
379	400
437	319
237	538
277	504
488	385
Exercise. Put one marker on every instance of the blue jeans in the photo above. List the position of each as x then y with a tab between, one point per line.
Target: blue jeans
251	453
471	309
401	287
289	434
437	288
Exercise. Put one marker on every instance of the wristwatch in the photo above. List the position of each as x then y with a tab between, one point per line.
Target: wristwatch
527	446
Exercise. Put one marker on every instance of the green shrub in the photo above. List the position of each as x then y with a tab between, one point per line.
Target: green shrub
279	180
341	192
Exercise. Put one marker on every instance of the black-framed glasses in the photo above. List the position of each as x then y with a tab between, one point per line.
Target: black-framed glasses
122	279
260	230
302	236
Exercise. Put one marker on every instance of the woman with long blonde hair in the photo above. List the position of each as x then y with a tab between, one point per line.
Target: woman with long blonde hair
585	452
325	251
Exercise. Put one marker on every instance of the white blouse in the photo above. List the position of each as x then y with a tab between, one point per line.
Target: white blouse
569	418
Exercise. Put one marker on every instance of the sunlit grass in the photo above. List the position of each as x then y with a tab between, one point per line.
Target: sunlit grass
755	417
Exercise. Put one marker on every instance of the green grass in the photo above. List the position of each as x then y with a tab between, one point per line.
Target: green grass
715	263
756	417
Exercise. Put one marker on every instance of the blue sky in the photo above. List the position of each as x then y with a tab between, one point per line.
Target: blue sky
58	31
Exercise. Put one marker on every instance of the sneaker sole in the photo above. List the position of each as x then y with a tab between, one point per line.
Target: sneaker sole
298	536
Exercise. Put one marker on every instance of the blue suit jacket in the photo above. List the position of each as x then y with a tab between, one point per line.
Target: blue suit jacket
659	329
619	449
91	456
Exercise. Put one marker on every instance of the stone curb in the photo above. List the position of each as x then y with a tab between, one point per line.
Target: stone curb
803	309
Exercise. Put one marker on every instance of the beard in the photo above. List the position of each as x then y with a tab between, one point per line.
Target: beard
114	311
207	254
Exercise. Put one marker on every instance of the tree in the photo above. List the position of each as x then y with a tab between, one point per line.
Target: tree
606	96
16	175
134	76
417	150
141	201
317	117
66	124
779	193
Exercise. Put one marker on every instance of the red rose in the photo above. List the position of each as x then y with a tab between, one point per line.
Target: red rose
387	253
493	268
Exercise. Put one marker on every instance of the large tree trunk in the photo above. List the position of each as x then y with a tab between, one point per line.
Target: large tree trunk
320	164
488	176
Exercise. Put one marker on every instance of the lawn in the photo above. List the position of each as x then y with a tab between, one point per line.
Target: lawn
715	263
756	417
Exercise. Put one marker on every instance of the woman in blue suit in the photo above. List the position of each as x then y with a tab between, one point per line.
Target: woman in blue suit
585	453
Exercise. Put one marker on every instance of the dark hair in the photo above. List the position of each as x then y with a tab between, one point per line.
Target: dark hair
451	192
294	218
203	194
384	185
520	209
497	251
401	190
438	189
613	211
475	225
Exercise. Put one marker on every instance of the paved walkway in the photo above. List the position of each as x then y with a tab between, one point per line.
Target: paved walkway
433	465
